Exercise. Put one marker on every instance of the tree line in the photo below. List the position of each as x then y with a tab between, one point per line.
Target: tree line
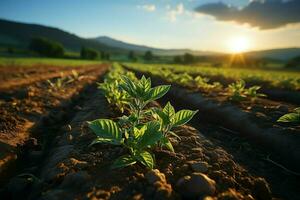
50	48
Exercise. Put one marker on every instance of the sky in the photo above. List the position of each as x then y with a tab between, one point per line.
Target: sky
211	25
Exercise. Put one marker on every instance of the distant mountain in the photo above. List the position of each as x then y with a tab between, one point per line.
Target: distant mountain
15	34
280	54
142	48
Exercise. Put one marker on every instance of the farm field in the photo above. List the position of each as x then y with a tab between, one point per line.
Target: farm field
150	100
51	114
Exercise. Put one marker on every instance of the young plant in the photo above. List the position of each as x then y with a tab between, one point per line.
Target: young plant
237	91
141	130
138	142
253	93
293	117
169	119
141	93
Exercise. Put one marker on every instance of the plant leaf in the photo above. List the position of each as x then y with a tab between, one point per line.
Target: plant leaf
169	110
182	117
158	92
150	136
166	142
163	116
107	130
100	140
290	117
145	158
123	161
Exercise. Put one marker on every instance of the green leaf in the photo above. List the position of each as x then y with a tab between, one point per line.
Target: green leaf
182	117
150	136
166	142
100	140
158	92
129	86
145	158
290	117
106	129
145	84
123	161
169	110
163	116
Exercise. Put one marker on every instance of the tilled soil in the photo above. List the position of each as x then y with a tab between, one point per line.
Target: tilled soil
198	169
22	107
205	165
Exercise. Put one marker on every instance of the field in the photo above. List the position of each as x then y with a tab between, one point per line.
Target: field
72	129
29	62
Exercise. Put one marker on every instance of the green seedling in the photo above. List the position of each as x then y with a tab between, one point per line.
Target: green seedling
170	119
293	117
238	92
143	129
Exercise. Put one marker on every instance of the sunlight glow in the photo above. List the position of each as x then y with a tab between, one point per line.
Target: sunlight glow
238	44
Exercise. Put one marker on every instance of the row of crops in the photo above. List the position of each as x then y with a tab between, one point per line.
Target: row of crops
142	127
274	78
235	92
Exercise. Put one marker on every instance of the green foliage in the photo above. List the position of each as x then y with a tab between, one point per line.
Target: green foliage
132	56
143	129
46	47
169	119
90	54
293	117
148	56
238	92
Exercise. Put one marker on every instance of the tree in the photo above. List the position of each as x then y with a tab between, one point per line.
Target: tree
293	63
105	55
188	58
177	59
132	56
87	53
46	47
148	56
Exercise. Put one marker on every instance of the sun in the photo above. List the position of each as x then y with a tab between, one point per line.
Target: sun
238	44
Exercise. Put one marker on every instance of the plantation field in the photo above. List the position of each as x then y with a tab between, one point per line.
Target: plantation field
4	61
285	79
108	131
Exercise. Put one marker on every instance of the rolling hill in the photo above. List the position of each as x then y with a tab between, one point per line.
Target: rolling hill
142	48
15	34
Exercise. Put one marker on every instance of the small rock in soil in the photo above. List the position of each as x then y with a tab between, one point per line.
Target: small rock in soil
77	163
199	166
196	185
154	176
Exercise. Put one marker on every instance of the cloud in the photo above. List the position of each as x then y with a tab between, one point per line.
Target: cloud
147	7
264	14
173	13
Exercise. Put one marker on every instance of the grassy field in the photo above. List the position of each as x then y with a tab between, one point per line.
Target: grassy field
45	61
286	79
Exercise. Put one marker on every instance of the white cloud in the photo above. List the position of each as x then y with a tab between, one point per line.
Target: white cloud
147	7
173	13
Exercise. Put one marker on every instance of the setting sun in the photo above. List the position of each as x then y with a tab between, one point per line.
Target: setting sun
238	44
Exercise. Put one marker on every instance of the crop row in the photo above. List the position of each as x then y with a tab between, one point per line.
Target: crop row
142	128
235	92
278	79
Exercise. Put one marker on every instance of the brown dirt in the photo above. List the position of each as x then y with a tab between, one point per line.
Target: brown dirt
69	169
73	170
30	98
